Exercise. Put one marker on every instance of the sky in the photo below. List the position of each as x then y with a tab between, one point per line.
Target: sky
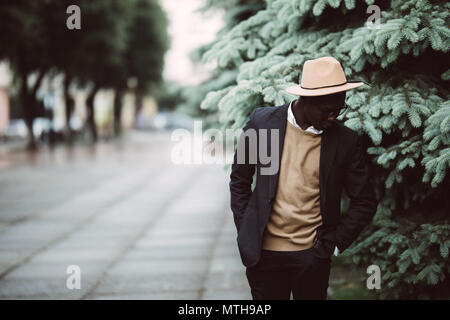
188	30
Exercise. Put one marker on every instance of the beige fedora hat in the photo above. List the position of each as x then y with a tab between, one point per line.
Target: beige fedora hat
322	76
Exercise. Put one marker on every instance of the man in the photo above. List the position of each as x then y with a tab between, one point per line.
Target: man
290	224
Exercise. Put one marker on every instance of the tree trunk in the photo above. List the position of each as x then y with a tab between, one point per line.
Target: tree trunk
27	108
70	103
90	121
28	102
118	111
138	106
28	115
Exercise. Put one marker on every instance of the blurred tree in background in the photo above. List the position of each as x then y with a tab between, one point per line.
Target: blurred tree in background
119	42
170	95
24	44
147	44
95	55
404	115
223	76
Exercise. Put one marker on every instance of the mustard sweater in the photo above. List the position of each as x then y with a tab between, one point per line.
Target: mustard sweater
296	208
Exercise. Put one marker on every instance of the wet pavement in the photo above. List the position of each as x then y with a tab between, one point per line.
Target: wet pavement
137	225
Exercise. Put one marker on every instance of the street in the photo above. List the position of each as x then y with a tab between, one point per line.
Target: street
136	225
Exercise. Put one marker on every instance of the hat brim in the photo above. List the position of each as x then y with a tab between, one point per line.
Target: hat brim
299	91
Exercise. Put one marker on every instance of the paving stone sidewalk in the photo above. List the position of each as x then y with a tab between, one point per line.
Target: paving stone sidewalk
138	226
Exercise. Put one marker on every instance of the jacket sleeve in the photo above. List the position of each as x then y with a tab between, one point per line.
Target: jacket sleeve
363	203
241	177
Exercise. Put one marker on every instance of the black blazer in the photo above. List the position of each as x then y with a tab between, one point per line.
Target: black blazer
342	165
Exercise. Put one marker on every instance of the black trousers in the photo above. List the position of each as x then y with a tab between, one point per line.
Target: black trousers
278	273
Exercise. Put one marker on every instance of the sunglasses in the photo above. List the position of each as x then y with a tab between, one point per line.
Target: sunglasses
334	112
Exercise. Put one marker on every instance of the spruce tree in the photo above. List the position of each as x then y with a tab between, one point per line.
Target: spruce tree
403	115
235	11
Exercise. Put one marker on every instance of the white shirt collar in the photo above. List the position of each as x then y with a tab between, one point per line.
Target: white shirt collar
291	119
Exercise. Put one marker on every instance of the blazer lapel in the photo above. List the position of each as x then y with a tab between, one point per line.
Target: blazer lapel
279	122
327	151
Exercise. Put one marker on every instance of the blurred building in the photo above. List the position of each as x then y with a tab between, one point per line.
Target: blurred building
5	80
